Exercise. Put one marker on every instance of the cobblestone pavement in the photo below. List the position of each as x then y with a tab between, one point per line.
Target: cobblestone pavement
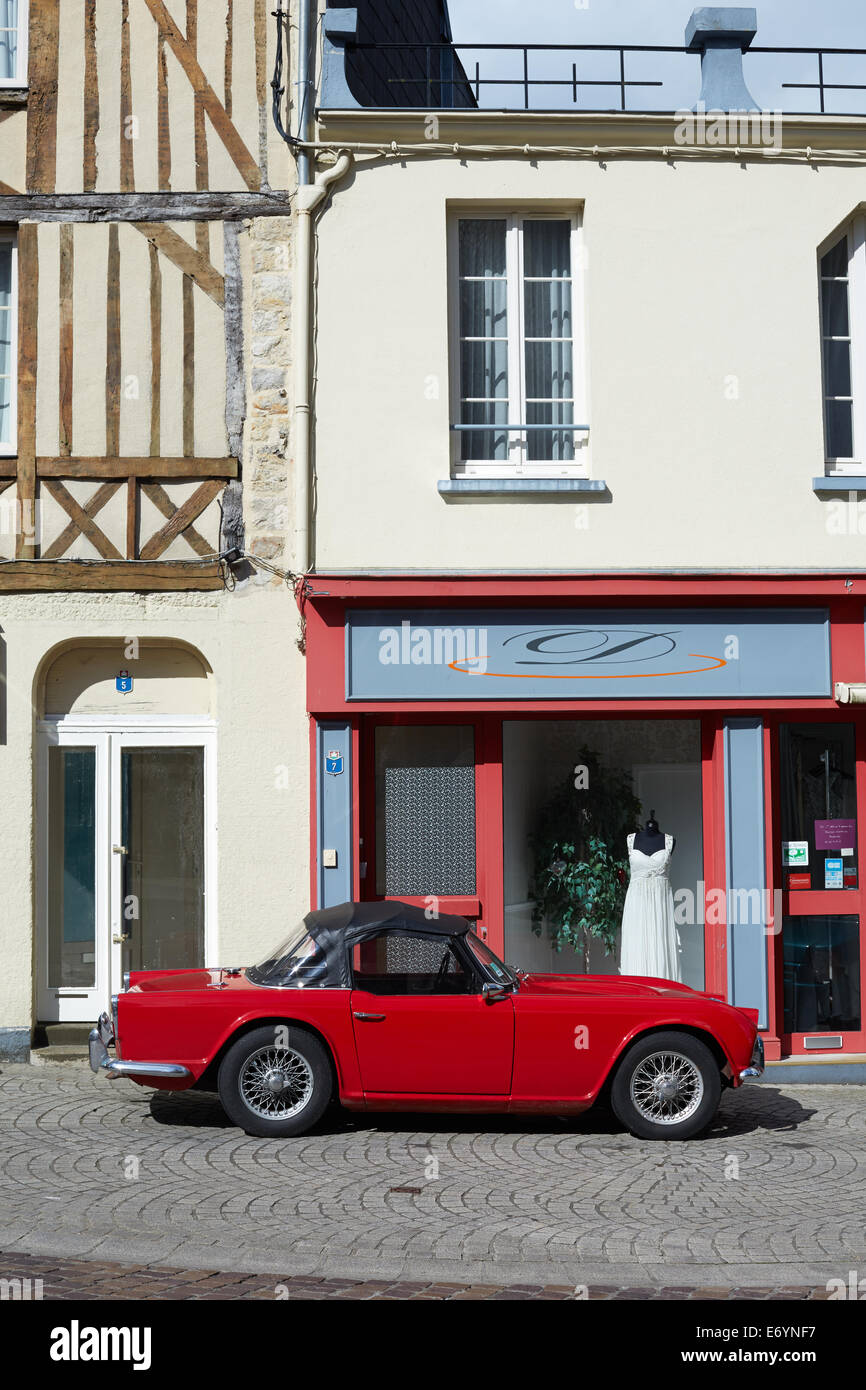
103	1280
773	1196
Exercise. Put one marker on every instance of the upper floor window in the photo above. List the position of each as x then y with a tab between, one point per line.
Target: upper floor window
8	339
13	43
843	335
517	369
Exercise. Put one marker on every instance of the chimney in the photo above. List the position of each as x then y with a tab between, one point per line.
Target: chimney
722	36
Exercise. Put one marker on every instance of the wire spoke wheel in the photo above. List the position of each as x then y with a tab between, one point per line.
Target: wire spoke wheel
666	1088
275	1083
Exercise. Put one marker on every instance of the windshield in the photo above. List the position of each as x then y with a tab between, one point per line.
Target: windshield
482	952
297	961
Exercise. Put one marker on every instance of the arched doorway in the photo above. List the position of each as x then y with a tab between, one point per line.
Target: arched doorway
126	820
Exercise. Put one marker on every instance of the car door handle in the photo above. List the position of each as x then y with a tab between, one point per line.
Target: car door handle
370	1018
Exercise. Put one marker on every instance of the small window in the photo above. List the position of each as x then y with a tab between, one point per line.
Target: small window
401	963
13	43
843	343
516	331
8	343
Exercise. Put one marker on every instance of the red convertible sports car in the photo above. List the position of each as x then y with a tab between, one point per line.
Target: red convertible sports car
381	1008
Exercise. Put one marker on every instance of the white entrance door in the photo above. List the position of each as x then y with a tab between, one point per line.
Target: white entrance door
127	857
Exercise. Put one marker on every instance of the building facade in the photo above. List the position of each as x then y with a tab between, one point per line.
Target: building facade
589	477
153	743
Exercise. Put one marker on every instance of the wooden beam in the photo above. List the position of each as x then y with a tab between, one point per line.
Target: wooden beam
28	312
82	520
188	368
163	122
131	516
260	39
66	335
99	466
229	58
176	249
127	144
59	576
227	132
180	519
113	365
140	207
155	349
42	102
198	130
91	97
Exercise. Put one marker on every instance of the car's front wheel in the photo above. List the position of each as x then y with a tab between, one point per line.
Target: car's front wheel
275	1081
667	1086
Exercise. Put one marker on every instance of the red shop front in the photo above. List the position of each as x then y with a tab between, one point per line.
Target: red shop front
447	714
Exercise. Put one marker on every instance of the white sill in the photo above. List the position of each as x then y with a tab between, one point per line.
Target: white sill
521	486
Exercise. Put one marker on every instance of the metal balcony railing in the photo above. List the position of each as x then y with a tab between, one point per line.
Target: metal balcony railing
539	77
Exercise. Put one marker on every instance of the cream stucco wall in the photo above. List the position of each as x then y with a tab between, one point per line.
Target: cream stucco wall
704	367
247	639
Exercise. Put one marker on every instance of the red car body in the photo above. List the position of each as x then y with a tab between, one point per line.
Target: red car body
547	1045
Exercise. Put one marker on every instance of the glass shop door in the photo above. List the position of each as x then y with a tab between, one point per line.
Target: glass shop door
820	859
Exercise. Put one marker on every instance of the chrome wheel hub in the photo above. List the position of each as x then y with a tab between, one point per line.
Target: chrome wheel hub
275	1082
666	1088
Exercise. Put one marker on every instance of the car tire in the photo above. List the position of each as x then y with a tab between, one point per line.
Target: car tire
276	1081
642	1097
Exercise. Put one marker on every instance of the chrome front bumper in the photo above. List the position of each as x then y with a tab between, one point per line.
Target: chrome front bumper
100	1060
756	1066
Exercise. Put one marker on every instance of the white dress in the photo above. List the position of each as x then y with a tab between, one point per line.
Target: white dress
650	941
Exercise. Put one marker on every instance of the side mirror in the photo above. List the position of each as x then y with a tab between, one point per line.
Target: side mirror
490	993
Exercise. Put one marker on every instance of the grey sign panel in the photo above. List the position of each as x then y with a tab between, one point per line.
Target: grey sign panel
587	654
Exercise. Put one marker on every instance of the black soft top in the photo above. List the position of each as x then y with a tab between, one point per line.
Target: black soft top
337	929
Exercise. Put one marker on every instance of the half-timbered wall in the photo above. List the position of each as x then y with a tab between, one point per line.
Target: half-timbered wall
144	155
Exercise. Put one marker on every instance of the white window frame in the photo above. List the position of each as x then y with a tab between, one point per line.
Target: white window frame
517	465
20	78
856	237
10	449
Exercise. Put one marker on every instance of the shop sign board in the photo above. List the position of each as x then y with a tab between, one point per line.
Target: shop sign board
575	654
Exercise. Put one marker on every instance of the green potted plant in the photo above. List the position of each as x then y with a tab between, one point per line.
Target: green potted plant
581	858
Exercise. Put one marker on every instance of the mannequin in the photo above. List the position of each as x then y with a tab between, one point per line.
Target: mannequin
651	838
650	941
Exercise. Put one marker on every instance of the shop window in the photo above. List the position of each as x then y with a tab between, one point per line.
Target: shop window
573	792
517	369
822	974
819	806
425	811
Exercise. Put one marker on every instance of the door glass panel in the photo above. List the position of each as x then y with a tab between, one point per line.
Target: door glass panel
822	974
72	867
403	964
425	810
819	806
162	793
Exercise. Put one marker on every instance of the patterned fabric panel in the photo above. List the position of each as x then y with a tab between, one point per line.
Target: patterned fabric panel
416	955
430	830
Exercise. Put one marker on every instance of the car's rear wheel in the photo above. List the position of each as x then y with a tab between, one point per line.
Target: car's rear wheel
275	1081
667	1086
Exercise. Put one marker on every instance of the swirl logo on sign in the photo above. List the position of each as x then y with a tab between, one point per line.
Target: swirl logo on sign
606	654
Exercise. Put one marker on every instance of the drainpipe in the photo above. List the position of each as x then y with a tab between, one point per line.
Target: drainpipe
309	195
307	199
